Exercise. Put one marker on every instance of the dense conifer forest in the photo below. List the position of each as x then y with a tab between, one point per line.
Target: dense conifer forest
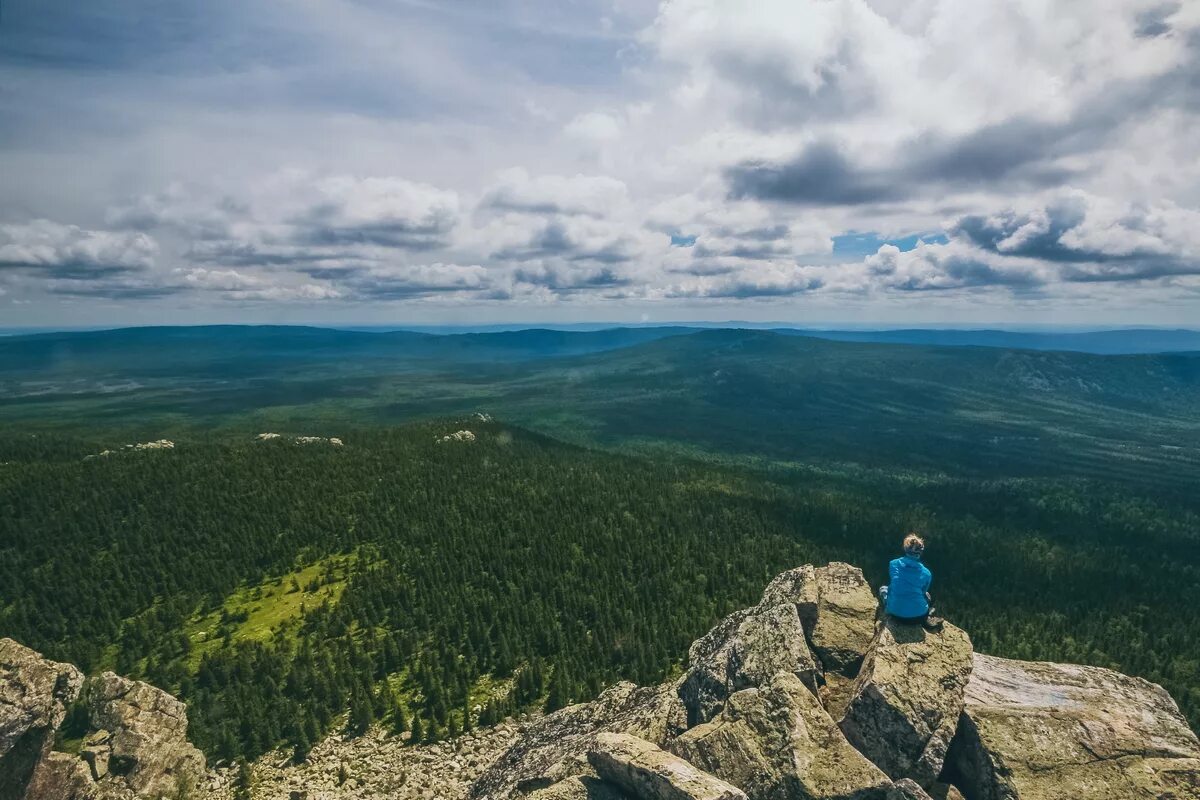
285	590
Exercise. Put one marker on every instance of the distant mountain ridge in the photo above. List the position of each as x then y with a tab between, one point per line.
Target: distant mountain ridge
745	393
582	338
1107	342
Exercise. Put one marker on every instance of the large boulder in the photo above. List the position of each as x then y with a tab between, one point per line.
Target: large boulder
1037	731
555	747
845	620
648	772
34	695
797	586
139	736
905	704
61	776
745	650
776	741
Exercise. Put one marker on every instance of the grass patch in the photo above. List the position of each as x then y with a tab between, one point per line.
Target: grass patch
258	613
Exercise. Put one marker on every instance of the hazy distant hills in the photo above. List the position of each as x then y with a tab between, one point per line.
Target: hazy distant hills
1114	342
243	348
984	411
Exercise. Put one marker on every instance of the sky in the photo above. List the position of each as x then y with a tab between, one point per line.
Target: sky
476	161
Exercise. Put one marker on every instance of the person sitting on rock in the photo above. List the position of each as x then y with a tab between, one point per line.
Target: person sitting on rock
907	595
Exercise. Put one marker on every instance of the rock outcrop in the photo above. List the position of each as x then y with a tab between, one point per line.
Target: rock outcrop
584	787
135	746
556	747
646	771
34	696
745	650
845	620
777	741
1037	731
807	696
904	707
139	737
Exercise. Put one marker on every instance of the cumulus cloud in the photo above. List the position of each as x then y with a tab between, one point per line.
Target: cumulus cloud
591	195
1088	238
70	252
424	280
385	212
596	127
689	150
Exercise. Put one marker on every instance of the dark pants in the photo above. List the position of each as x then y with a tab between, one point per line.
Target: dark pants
921	620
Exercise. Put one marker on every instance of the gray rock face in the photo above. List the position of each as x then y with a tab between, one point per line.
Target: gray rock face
1036	731
777	741
905	704
648	772
147	750
907	789
745	650
845	620
581	787
34	695
555	747
136	747
796	586
61	776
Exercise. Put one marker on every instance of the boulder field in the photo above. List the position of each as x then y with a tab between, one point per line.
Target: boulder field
813	695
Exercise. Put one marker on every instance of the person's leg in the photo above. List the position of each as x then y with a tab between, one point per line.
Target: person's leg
932	621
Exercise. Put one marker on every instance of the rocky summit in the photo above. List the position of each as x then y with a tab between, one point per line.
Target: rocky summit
809	695
813	695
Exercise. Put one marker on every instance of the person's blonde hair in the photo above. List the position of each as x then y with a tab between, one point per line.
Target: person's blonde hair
913	544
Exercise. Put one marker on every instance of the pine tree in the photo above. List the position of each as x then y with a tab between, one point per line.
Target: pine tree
399	719
560	689
241	783
302	747
466	715
362	715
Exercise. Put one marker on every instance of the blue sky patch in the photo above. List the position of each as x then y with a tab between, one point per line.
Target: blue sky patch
860	245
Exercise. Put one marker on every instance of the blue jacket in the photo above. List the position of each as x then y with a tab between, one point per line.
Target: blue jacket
910	581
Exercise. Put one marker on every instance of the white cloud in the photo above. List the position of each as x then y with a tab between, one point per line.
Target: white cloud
596	127
515	190
698	150
68	250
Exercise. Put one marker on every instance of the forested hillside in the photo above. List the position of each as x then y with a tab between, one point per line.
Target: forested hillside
285	588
